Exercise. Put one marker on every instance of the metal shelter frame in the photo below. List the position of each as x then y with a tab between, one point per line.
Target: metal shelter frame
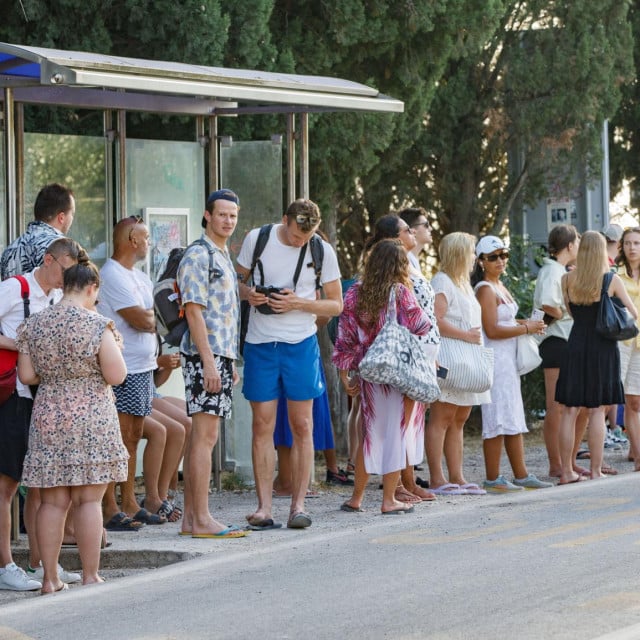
113	84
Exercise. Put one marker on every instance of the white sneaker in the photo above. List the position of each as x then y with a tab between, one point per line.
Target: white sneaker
67	577
13	578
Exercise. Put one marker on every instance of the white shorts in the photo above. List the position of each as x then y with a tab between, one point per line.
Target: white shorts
630	368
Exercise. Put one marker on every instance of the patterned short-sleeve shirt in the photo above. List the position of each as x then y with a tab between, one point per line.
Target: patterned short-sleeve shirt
218	295
27	251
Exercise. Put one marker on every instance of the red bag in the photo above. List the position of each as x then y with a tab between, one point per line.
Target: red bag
8	358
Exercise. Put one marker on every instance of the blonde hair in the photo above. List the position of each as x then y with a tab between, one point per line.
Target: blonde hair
591	265
455	251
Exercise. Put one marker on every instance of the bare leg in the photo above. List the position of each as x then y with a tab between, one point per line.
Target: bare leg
301	421
31	506
8	488
50	531
567	440
440	420
156	436
174	408
389	484
331	460
87	520
353	426
581	426
632	425
131	430
283	482
597	430
454	445
204	435
109	504
173	451
361	477
551	427
263	455
514	446
492	449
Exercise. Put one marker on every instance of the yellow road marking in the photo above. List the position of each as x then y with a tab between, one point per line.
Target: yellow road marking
423	536
597	537
11	634
574	526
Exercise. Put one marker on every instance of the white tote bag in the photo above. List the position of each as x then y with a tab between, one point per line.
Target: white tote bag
470	365
527	356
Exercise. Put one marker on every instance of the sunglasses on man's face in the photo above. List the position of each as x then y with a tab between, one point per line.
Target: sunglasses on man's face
494	256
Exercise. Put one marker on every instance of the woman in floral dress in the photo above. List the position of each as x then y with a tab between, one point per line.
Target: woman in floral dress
75	446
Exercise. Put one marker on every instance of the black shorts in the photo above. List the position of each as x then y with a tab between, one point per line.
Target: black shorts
15	418
553	351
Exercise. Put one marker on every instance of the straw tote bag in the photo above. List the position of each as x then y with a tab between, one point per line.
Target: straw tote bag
397	358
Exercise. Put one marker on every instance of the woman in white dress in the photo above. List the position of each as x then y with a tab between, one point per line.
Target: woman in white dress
503	420
458	316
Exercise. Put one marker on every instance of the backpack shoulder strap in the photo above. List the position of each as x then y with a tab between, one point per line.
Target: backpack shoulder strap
261	243
24	294
317	256
205	244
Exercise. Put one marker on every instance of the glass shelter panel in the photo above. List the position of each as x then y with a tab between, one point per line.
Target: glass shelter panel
254	171
3	197
77	162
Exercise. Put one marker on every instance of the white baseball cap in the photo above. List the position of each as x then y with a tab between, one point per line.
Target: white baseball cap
489	244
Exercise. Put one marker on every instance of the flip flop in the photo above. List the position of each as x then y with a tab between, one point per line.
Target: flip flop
230	532
472	489
299	520
263	525
448	489
122	522
398	512
149	518
349	509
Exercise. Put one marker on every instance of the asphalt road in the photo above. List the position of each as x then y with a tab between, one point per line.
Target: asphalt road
560	563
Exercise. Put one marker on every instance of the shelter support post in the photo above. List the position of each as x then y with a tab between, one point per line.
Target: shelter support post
304	155
291	158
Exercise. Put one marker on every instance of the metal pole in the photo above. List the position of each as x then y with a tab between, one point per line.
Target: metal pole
213	154
122	165
291	158
10	163
109	176
606	188
20	194
304	155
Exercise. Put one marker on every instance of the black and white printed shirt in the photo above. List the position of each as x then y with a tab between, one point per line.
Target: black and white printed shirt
27	251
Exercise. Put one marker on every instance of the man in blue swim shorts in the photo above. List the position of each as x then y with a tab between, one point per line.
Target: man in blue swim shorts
281	352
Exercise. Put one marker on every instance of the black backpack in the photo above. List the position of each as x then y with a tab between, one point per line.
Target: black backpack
170	321
317	257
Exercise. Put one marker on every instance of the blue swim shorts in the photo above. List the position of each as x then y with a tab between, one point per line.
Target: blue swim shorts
272	369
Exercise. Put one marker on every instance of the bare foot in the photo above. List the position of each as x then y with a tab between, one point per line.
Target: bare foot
92	580
570	479
555	473
404	495
396	505
425	495
581	471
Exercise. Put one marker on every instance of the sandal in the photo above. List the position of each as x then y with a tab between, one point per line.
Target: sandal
170	512
122	522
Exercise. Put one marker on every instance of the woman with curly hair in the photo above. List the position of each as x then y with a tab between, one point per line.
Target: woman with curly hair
382	447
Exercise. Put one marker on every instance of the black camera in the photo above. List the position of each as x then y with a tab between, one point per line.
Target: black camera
267	291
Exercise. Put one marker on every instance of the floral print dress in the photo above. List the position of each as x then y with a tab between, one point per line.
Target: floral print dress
387	416
74	438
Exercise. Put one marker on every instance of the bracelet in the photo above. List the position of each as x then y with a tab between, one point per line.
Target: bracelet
526	328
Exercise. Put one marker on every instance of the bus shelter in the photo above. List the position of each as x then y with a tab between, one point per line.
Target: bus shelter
166	182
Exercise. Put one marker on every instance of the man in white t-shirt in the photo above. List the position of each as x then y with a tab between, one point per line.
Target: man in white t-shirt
45	288
126	296
281	354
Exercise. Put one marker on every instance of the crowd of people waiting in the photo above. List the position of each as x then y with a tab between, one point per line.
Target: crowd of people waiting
90	362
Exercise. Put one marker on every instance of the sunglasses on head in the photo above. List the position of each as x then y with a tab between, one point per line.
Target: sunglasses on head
137	220
494	256
303	218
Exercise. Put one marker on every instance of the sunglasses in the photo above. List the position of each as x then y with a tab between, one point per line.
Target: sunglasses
307	220
426	225
137	220
494	256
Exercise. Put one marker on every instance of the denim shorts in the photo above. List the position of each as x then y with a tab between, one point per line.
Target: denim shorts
274	369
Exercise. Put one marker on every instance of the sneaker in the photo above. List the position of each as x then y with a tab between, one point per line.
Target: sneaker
68	577
610	443
13	578
500	485
531	482
340	478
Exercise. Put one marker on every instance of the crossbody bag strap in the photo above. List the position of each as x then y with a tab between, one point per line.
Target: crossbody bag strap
24	294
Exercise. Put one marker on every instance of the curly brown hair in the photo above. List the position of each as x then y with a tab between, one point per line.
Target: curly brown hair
386	265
